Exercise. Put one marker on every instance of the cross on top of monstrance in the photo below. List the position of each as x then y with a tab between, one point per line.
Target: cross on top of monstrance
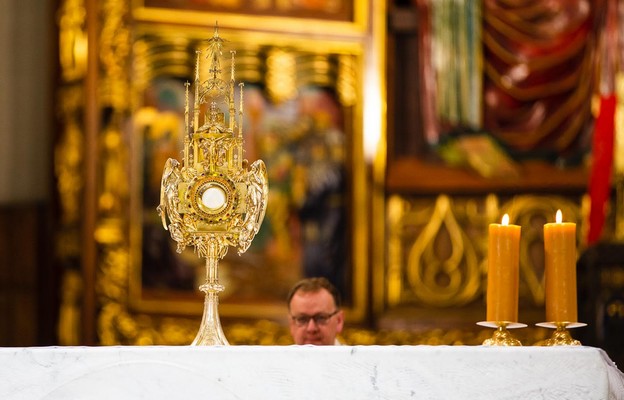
214	199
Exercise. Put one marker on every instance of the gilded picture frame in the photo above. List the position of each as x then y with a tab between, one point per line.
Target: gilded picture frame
282	75
346	18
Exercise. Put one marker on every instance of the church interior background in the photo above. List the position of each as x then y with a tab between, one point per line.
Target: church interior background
394	133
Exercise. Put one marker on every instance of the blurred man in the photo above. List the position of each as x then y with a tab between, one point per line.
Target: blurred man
315	314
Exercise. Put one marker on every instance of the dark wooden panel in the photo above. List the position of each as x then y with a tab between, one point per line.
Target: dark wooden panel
600	282
27	285
419	176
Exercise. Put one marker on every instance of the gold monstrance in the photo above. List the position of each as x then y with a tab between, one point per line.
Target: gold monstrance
214	200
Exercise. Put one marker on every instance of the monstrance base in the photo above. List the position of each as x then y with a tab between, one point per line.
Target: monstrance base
502	337
561	336
210	338
210	332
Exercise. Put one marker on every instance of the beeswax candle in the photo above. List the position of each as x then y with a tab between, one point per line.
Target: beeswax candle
503	271
560	270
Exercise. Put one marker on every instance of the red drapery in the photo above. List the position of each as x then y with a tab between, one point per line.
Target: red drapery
604	128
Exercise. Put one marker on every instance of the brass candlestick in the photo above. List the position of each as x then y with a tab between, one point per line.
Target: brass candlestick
214	199
502	336
561	336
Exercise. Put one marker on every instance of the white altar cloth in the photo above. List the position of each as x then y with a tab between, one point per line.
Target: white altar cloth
307	372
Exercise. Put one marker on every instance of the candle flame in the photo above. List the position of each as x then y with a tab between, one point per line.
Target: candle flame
505	219
559	217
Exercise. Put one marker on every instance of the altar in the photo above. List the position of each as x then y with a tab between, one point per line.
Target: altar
307	372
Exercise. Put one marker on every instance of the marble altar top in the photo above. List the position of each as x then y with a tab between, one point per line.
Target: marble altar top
308	372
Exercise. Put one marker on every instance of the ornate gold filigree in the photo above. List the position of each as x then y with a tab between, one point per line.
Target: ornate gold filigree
112	190
347	80
531	212
69	163
281	67
443	281
437	248
114	51
72	40
450	279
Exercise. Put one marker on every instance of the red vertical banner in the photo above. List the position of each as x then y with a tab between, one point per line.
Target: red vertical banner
602	165
604	128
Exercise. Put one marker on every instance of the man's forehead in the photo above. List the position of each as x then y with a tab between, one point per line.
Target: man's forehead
312	296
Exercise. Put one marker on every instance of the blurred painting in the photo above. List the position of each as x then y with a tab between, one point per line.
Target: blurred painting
304	141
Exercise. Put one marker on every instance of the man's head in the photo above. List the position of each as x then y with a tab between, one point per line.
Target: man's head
315	315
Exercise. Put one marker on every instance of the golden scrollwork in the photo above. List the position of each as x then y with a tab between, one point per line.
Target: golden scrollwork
347	80
281	66
69	313
68	155
437	247
531	212
72	40
69	163
451	279
114	51
110	231
112	191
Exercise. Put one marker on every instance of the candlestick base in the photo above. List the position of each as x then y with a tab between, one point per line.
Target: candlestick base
502	337
561	336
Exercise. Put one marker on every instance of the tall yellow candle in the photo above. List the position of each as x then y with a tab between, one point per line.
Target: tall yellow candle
503	272
560	270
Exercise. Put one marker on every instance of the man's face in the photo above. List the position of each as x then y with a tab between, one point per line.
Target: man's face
314	306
